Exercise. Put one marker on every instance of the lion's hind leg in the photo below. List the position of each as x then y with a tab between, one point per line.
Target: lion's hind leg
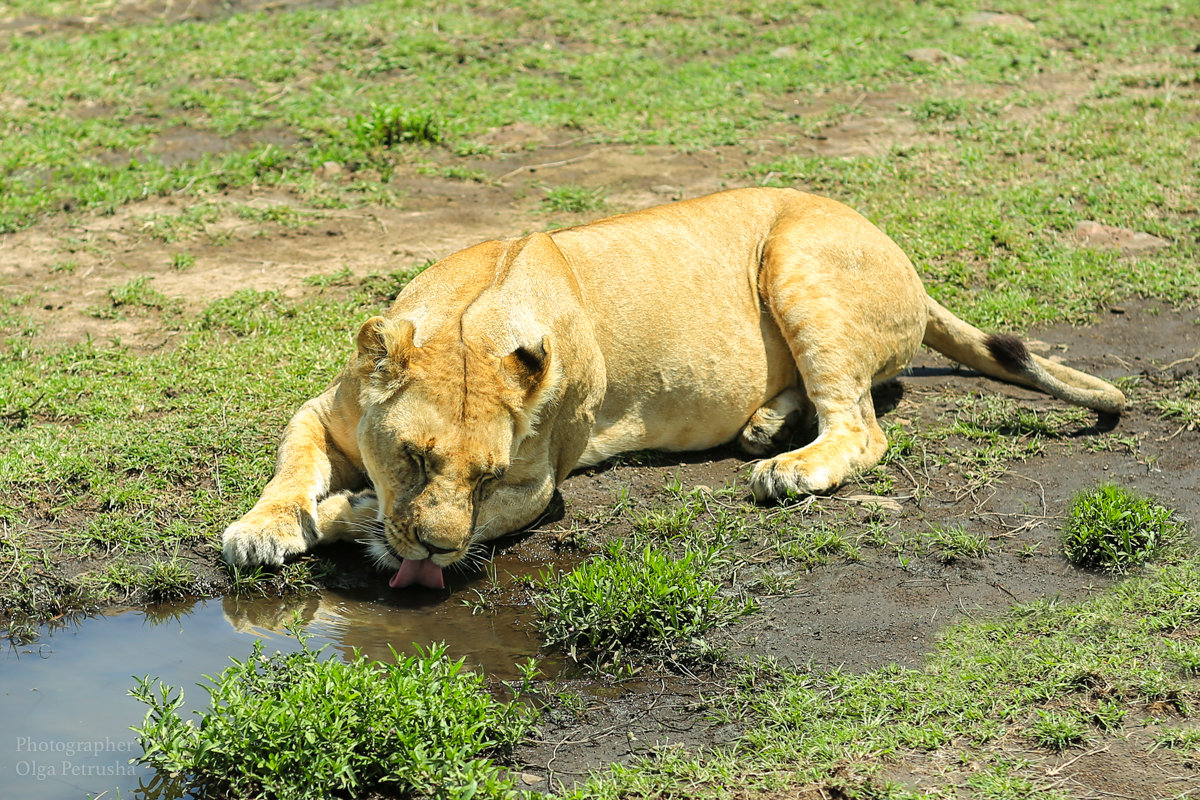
850	440
776	422
852	311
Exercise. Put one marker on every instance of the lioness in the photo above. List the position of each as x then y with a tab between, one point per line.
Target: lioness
504	367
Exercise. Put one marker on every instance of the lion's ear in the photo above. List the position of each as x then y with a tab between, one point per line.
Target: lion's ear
384	346
528	364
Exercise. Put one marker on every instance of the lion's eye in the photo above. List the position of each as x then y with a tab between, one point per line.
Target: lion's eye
490	479
417	458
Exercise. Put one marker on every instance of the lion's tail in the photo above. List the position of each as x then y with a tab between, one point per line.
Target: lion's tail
1006	357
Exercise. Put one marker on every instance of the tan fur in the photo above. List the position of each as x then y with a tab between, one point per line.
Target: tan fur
505	366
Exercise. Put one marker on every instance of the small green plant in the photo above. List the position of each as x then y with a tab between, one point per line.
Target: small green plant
1056	730
628	602
1114	529
1003	779
1109	715
1183	740
173	227
21	631
388	126
1185	406
667	522
812	545
134	293
182	261
341	277
955	542
939	109
299	725
574	199
280	214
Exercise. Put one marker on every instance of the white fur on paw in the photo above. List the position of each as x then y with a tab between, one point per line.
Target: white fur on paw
246	544
779	479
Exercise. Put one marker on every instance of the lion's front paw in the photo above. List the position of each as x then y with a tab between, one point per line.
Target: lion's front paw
250	541
789	475
349	516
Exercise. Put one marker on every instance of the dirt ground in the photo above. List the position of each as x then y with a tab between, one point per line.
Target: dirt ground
855	615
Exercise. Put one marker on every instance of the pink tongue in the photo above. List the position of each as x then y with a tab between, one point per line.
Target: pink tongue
423	572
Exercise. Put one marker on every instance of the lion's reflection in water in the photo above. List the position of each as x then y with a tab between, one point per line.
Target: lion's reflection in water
492	641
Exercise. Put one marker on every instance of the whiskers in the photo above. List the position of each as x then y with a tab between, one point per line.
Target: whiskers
362	531
374	538
474	560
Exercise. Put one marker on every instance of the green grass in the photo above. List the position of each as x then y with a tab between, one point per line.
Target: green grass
1184	406
91	105
1045	676
991	204
130	463
302	725
1114	529
145	458
574	199
388	126
954	542
632	605
1057	731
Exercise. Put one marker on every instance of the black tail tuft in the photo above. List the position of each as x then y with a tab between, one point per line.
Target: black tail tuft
1009	351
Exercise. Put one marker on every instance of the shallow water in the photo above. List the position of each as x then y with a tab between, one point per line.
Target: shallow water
64	709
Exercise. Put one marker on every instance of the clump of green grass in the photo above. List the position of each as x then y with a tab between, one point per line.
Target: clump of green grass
133	294
246	311
191	220
574	199
303	726
1184	406
1057	730
341	277
939	109
280	214
954	542
1114	529
137	292
1183	740
809	546
667	523
388	126
630	603
182	261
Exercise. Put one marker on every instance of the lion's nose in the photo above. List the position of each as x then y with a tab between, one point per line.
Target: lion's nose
433	548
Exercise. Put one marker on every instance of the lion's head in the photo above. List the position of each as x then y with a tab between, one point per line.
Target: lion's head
441	425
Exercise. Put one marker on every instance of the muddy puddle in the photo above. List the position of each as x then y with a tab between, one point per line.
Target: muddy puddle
64	709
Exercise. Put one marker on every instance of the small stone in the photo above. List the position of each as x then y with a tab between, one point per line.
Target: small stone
990	19
666	189
331	169
932	55
787	51
529	779
1090	233
874	500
